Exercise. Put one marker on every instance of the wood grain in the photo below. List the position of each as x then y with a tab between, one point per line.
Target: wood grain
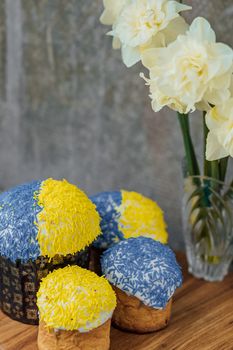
202	319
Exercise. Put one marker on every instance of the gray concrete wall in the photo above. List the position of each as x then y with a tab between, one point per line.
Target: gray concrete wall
69	108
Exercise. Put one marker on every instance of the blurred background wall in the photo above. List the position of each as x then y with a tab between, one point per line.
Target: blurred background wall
70	108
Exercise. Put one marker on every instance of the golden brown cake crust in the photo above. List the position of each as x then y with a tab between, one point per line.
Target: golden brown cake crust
134	316
98	338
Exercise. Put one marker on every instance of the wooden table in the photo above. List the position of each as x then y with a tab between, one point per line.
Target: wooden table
202	319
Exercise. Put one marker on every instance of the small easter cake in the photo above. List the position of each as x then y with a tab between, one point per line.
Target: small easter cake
43	225
75	307
126	214
144	274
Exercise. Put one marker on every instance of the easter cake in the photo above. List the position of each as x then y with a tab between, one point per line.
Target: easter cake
125	214
75	307
43	225
144	274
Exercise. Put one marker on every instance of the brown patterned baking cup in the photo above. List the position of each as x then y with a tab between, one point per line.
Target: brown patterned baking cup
19	283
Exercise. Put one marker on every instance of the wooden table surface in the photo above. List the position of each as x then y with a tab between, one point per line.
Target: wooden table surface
202	319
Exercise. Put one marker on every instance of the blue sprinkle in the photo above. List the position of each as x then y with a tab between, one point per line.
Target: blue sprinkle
106	204
144	268
18	214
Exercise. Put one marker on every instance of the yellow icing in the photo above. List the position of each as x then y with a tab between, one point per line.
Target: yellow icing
68	221
140	216
72	297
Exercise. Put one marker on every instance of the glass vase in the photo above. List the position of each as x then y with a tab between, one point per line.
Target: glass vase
208	227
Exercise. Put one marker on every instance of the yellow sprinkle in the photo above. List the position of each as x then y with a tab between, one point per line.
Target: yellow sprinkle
72	297
140	216
68	221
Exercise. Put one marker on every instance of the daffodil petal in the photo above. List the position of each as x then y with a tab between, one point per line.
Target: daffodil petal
201	30
149	57
176	27
112	10
130	55
116	44
174	7
214	150
107	18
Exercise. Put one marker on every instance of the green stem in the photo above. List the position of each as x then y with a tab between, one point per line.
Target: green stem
215	174
192	165
207	164
215	169
223	168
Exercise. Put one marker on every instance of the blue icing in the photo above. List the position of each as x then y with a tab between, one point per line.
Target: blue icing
106	204
18	214
144	268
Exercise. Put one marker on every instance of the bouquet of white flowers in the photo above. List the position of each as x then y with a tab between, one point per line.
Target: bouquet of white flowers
188	70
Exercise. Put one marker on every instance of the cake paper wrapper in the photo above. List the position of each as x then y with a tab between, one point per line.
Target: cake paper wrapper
19	283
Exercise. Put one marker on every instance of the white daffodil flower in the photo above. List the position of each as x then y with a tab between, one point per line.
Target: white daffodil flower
219	120
141	24
192	72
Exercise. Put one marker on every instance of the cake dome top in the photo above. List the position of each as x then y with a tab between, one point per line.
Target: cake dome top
126	214
46	218
143	268
73	298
